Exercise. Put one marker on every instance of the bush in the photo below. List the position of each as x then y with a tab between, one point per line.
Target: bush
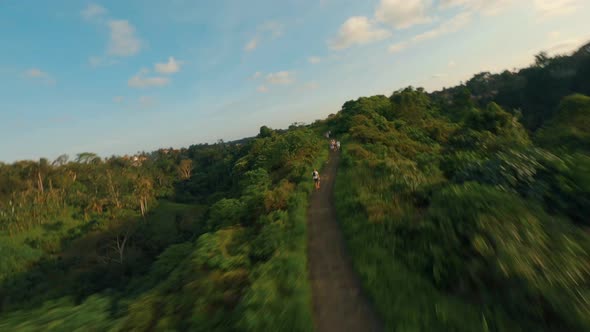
226	212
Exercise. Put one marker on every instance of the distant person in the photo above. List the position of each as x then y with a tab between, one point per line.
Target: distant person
316	179
337	145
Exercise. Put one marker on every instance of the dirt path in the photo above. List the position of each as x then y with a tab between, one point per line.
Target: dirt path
338	302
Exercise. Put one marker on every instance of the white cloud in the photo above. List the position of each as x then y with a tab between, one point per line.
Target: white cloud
483	7
270	30
554	34
99	61
144	82
492	7
39	75
403	14
454	24
444	4
565	46
118	99
123	40
262	89
256	75
311	86
552	8
314	59
170	67
95	61
274	28
398	47
93	11
146	101
141	81
281	77
358	30
35	72
441	75
452	64
251	45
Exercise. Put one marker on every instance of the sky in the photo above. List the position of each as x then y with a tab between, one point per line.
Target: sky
118	77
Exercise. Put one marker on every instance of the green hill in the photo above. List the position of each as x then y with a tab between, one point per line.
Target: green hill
569	128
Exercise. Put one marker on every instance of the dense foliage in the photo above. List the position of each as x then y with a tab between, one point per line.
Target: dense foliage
465	209
206	238
535	91
459	216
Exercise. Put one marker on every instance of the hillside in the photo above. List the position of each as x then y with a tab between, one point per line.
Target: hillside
462	210
206	238
461	218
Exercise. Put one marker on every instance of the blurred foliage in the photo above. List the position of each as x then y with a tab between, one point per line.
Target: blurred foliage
473	226
569	128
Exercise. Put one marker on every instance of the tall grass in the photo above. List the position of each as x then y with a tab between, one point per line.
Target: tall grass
406	301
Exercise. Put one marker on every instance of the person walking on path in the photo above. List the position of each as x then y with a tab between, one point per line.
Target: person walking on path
337	145
316	179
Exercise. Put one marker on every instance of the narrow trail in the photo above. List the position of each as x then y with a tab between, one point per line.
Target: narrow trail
338	302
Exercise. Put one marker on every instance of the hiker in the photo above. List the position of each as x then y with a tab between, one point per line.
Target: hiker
337	145
316	179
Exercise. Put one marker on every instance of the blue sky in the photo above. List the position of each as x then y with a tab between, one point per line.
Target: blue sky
117	77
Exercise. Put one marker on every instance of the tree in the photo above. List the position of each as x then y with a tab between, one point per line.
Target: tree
61	160
144	192
542	59
185	169
86	157
113	190
265	132
462	98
